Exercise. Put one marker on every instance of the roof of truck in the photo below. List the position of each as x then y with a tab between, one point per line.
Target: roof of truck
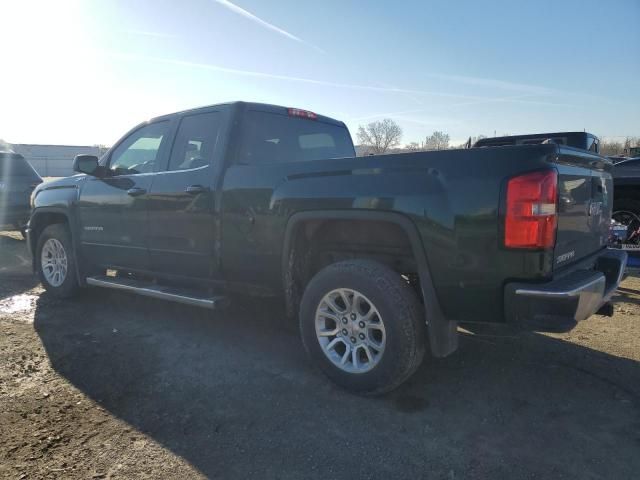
263	107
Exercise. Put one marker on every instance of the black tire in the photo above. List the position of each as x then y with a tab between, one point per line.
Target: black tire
399	308
627	211
69	286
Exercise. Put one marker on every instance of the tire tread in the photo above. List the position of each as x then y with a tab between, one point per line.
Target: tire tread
70	286
409	319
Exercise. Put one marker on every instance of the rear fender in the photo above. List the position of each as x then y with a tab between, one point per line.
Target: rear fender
443	337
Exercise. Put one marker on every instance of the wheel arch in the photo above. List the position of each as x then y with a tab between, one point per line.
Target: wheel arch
443	336
43	217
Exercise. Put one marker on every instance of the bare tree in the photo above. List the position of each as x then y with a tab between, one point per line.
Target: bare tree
437	141
475	139
611	148
629	143
379	137
413	147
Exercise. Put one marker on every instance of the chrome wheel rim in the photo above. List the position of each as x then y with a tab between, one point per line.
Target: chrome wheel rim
631	221
350	330
54	262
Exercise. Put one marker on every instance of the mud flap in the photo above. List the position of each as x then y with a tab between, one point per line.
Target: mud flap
443	337
443	333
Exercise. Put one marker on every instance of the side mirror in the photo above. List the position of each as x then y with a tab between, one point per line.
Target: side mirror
86	164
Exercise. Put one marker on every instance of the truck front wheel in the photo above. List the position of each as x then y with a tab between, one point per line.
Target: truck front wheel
55	261
362	325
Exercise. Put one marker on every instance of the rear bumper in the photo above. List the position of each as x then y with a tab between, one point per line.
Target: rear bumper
559	304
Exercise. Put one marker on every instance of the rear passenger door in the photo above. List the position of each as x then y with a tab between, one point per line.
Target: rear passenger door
183	224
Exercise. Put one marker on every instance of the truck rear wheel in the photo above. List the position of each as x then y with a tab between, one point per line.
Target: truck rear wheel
362	325
55	262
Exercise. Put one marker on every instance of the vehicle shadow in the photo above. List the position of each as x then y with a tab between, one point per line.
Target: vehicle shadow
627	295
233	393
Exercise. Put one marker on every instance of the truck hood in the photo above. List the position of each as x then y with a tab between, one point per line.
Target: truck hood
66	182
59	184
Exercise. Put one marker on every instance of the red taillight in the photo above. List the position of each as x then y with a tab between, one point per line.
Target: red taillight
531	210
296	112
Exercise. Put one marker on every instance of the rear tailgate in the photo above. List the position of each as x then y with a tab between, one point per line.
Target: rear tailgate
585	200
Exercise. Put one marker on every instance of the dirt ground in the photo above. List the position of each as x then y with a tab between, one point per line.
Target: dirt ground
110	385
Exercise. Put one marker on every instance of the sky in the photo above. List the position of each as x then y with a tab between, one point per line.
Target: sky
85	72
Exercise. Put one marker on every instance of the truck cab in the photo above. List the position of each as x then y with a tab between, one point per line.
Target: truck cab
154	206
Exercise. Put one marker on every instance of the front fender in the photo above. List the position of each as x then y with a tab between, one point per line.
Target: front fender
55	204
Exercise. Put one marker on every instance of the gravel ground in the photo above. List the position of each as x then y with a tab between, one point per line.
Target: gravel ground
115	386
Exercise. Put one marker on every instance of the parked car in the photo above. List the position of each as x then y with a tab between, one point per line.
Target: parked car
370	253
17	181
626	203
582	140
618	158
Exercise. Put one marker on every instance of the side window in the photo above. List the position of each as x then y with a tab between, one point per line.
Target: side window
195	141
139	151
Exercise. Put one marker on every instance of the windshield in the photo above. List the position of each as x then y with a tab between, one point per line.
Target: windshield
275	138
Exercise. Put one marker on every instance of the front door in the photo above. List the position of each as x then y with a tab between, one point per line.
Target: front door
182	219
113	208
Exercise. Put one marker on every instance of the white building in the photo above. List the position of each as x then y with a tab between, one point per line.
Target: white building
54	160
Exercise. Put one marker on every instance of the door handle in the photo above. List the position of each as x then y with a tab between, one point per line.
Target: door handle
136	192
196	189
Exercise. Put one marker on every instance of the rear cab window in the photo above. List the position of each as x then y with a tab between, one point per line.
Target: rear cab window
270	137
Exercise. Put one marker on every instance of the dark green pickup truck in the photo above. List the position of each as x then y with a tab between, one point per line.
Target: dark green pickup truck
378	255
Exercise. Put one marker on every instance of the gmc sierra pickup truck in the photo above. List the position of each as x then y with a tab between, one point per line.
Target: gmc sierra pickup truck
377	256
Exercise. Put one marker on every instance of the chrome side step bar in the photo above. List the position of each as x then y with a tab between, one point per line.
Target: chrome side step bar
157	291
